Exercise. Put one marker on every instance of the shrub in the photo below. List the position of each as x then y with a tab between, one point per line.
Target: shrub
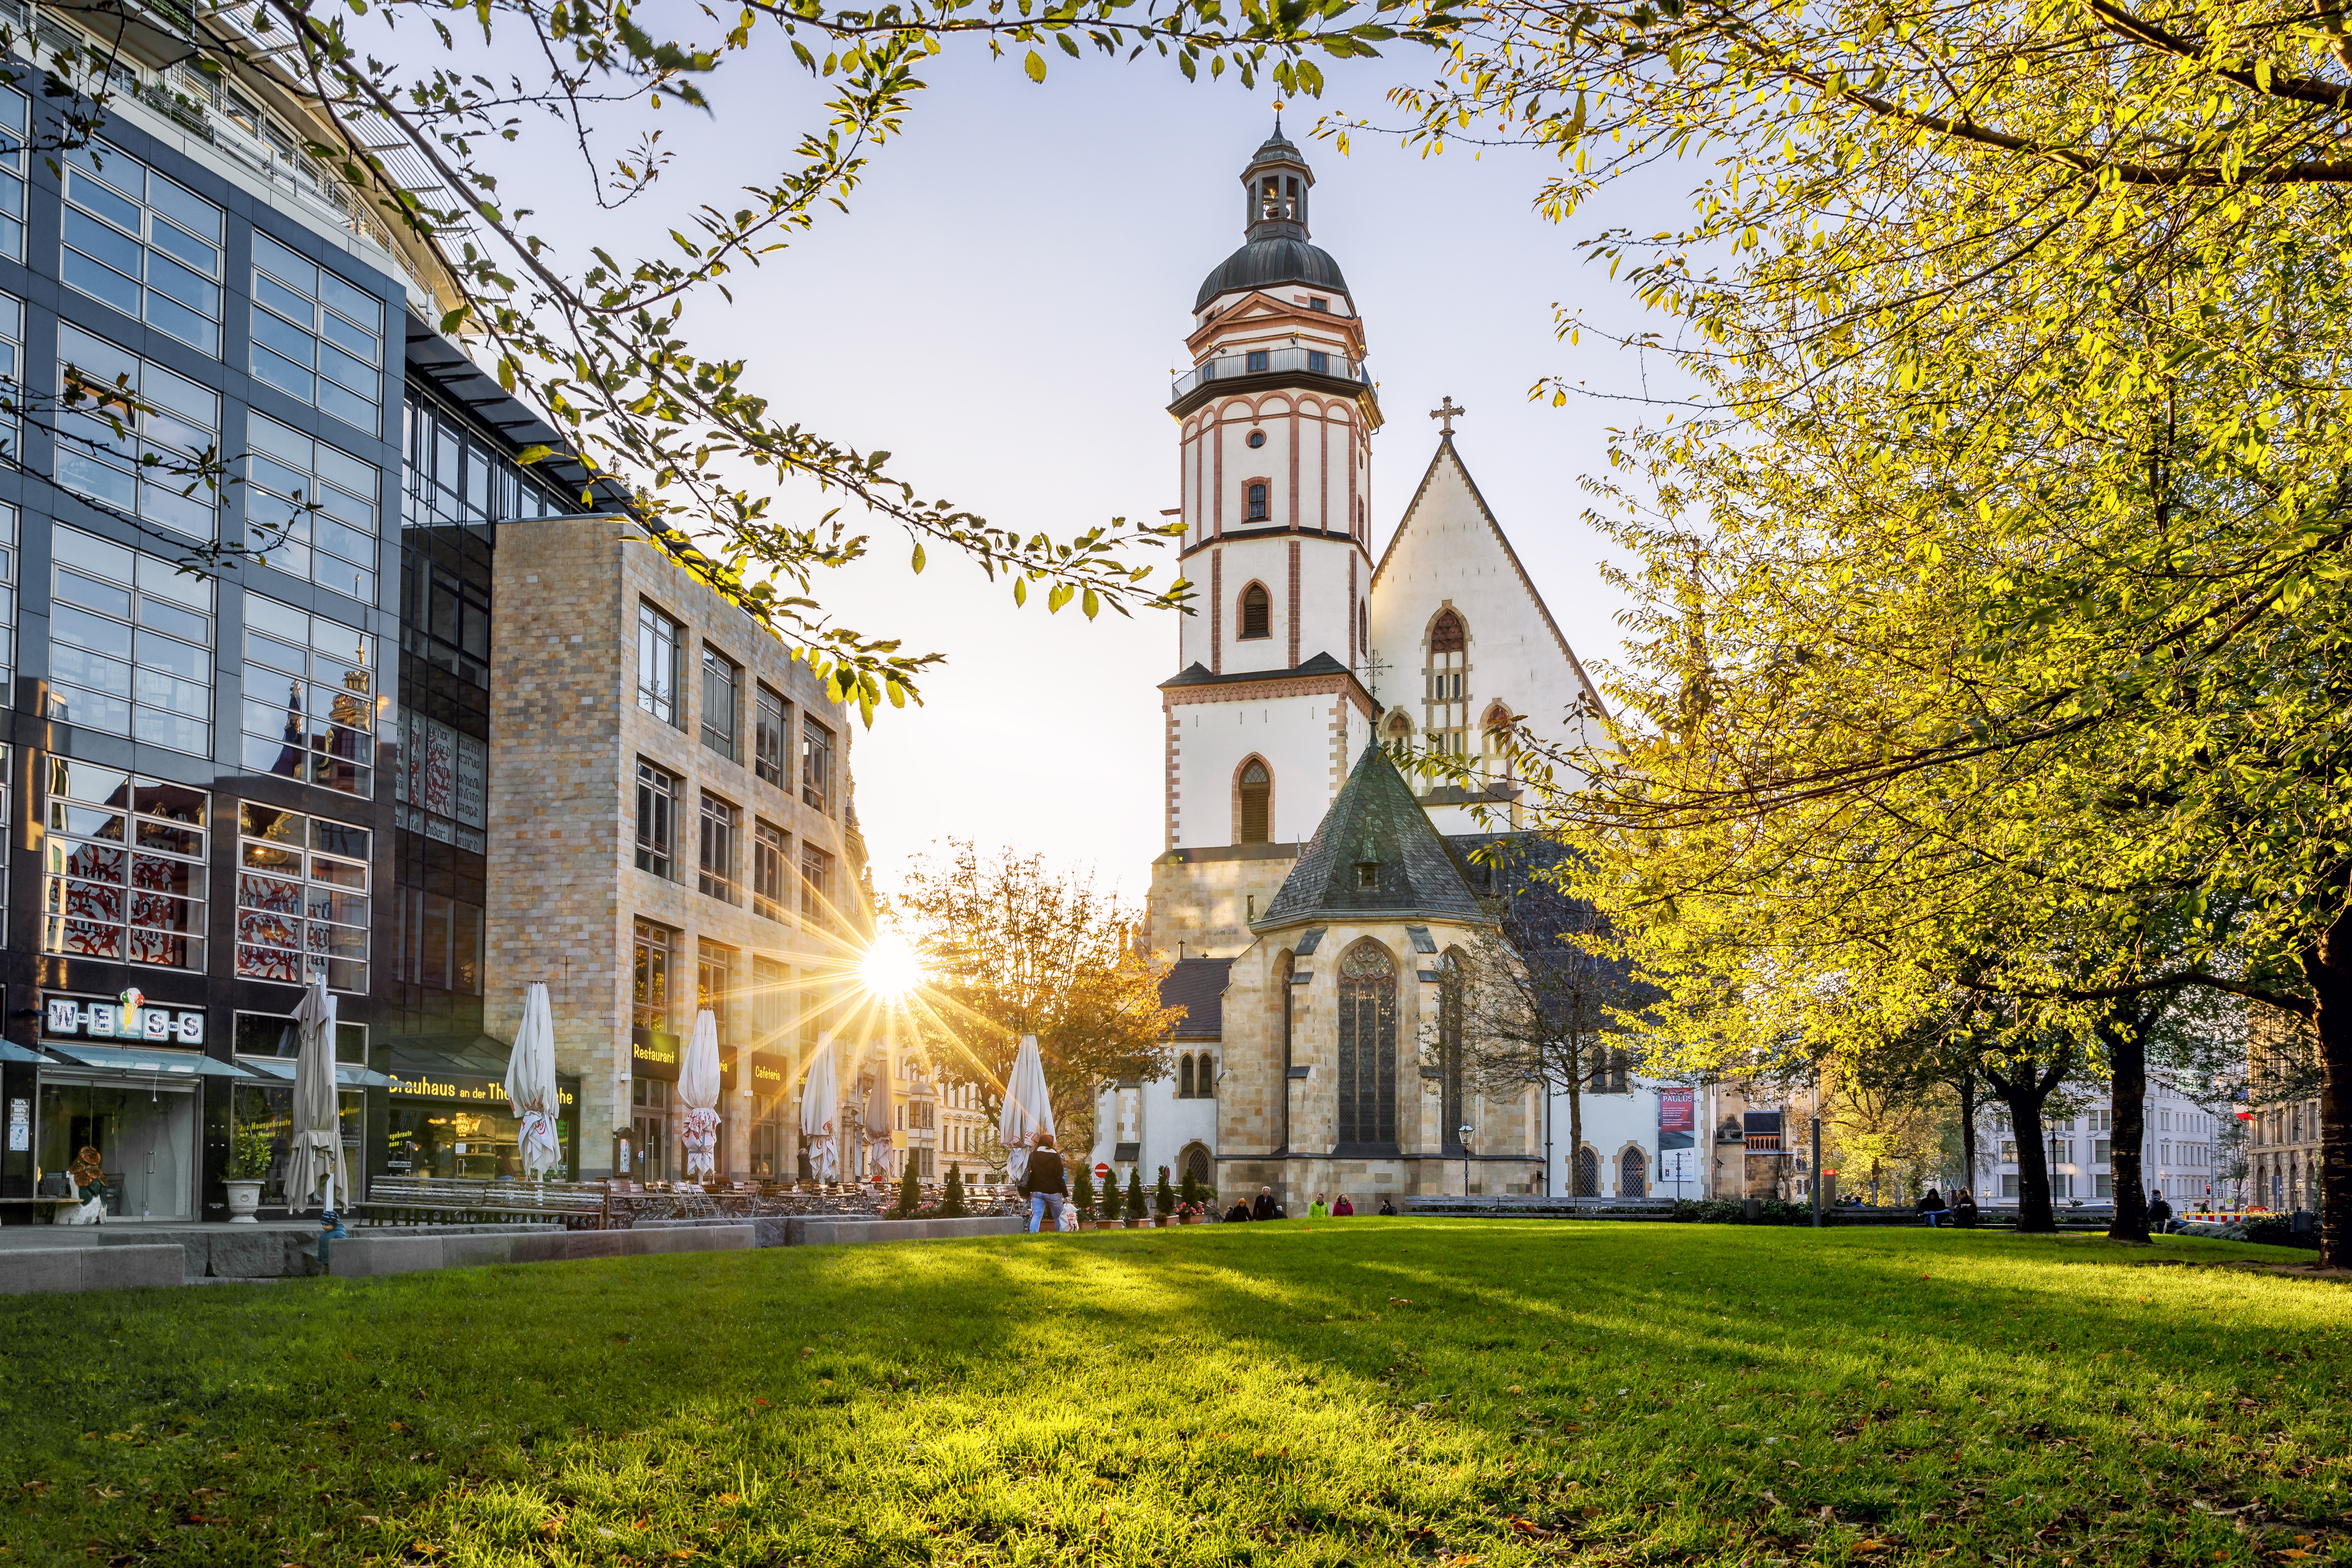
1135	1209
1082	1192
1188	1191
910	1194
952	1201
1732	1211
1111	1203
1163	1197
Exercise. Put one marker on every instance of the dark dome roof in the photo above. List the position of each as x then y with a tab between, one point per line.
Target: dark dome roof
1262	263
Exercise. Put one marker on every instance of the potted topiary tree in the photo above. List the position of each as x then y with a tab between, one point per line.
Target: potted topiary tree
248	1168
1163	1201
952	1200
1136	1207
910	1194
1188	1207
1082	1192
1112	1204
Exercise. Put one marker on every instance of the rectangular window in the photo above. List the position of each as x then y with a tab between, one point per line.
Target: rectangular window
717	862
2103	1186
714	987
816	765
656	820
656	947
301	898
450	477
131	641
2009	1185
816	884
771	1013
1257	359
14	115
659	668
316	338
772	741
311	508
125	867
309	698
136	241
1319	362
2101	1151
2061	1185
11	369
151	468
722	704
440	942
442	780
771	853
2009	1153
7	599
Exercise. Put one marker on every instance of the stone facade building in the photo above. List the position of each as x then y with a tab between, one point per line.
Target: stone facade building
2281	1113
672	829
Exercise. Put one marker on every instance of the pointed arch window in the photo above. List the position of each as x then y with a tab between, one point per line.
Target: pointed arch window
1588	1174
1368	1057
1257	612
1185	1076
1256	796
1445	696
1633	1174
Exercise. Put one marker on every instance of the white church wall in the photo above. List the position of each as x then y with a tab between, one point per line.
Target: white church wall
1153	1118
1296	737
1613	1124
1446	553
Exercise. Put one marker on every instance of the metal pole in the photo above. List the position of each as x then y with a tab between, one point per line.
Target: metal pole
1817	1172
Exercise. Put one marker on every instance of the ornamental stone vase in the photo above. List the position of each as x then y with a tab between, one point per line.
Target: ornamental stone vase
244	1197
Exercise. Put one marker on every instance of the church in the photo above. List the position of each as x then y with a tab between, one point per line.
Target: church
1310	893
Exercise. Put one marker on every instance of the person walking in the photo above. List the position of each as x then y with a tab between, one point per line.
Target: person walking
1319	1209
1342	1207
1265	1208
1239	1212
1046	1183
1931	1208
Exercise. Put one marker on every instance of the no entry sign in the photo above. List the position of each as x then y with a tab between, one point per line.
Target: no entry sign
1101	1171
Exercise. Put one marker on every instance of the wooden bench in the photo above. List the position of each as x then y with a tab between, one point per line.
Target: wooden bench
448	1200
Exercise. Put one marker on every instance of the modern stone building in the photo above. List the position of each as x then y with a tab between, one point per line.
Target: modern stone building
672	830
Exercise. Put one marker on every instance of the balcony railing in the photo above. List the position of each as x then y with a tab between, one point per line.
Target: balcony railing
1271	361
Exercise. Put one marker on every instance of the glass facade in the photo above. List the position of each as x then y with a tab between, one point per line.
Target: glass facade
125	867
142	244
131	643
309	698
316	338
145	461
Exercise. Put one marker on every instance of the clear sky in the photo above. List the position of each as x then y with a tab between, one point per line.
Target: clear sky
1002	308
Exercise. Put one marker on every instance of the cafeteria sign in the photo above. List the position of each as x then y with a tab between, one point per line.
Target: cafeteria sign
127	1019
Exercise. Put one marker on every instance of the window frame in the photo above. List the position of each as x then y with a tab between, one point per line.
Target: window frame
658	629
772	719
722	689
772	855
346	891
143	834
718	823
656	836
816	765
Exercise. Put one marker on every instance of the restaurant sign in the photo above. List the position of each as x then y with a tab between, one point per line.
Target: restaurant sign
128	1017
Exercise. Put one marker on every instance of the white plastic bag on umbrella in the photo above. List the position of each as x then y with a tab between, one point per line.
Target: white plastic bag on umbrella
530	1085
315	1161
818	1109
1028	1109
698	1087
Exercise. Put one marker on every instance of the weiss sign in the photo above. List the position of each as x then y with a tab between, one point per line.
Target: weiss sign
127	1019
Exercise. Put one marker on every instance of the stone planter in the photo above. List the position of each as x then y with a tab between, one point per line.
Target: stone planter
1189	1219
1159	1221
244	1197
1134	1224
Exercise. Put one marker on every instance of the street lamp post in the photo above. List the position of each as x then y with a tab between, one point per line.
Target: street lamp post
1465	1159
1817	1172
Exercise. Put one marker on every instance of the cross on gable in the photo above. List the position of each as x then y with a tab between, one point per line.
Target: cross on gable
1447	414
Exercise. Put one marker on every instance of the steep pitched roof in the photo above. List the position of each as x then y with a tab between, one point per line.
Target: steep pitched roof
1197	985
1374	820
1446	453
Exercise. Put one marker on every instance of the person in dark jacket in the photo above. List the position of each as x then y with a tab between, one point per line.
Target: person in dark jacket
1388	1205
1240	1211
1964	1210
2159	1213
1265	1208
1046	1183
1931	1208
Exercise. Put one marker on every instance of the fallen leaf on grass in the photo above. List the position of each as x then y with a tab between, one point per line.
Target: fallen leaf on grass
370	1518
1874	1544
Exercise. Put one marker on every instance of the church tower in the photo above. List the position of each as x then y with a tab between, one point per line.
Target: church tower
1269	710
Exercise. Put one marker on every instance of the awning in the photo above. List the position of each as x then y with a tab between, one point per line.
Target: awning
348	1075
179	1064
9	1053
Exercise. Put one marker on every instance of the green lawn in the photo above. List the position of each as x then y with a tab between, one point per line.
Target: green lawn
1356	1392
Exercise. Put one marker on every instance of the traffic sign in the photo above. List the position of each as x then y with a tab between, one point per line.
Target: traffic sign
1101	1171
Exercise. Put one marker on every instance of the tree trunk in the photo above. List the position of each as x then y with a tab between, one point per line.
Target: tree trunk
2328	968
1967	1086
2124	1032
2025	1096
1576	1124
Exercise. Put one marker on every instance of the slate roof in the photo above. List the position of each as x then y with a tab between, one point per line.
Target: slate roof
1374	819
1198	985
1197	673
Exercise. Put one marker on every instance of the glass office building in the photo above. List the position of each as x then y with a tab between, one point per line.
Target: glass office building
221	778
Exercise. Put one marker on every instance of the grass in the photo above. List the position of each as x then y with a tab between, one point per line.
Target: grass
1356	1392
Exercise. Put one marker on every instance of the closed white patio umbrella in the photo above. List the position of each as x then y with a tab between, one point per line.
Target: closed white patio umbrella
1028	1108
818	1109
698	1086
315	1161
530	1085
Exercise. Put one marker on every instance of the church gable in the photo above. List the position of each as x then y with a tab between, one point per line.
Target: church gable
1449	553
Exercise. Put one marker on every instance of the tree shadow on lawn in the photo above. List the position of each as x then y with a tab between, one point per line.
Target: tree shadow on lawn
1336	1392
